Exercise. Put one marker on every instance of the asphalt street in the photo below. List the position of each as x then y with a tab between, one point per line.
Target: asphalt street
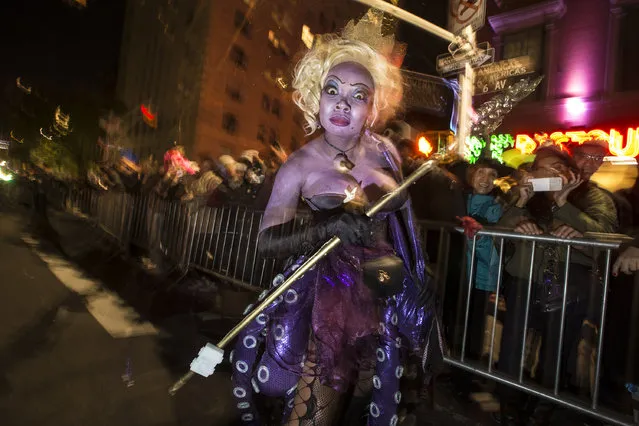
73	353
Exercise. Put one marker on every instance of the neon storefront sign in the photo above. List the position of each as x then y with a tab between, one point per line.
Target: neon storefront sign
620	145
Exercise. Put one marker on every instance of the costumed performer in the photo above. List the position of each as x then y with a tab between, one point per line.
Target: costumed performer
342	328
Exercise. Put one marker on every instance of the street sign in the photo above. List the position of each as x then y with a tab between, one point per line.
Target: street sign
426	93
448	64
495	77
463	13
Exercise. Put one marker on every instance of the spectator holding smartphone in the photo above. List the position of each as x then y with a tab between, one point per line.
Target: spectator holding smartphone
566	211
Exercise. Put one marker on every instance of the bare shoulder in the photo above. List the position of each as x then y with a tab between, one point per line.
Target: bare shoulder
300	159
303	156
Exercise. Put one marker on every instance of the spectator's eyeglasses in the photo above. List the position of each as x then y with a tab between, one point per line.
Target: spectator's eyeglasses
590	157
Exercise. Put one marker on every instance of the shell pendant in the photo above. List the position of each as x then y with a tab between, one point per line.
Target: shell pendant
342	163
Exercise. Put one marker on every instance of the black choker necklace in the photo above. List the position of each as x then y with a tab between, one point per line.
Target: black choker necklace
341	161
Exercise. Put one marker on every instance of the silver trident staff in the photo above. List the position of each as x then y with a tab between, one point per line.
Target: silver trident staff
214	354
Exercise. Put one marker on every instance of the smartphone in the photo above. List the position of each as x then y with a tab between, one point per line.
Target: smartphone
546	184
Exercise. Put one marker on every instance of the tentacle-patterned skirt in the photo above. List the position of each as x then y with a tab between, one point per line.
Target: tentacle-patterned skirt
331	310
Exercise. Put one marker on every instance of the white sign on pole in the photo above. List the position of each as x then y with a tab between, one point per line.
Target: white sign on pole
463	13
447	63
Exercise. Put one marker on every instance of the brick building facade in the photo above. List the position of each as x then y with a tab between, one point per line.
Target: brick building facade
217	74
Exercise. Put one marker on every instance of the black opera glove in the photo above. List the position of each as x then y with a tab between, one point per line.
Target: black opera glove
281	241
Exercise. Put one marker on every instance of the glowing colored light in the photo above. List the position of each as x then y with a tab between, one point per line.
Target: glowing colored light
148	117
473	148
5	176
615	139
498	144
575	107
525	144
424	146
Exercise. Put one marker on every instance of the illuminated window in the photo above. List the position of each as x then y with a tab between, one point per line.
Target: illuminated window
229	123
628	56
307	36
278	45
266	103
275	107
238	57
243	24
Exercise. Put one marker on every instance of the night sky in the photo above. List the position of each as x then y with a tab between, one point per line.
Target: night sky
62	51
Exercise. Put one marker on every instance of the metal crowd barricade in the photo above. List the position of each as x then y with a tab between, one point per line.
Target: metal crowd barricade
223	242
590	408
225	245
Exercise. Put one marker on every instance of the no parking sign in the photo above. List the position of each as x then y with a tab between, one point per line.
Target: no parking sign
463	13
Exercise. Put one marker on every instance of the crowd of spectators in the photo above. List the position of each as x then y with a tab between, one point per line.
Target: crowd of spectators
246	180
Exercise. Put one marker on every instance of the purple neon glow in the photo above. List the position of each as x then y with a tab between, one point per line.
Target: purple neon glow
575	109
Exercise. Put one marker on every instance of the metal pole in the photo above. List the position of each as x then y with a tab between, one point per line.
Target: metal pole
410	18
496	310
602	319
522	359
467	85
310	263
562	323
468	296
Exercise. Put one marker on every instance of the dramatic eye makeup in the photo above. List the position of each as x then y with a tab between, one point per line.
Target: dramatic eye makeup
331	88
361	95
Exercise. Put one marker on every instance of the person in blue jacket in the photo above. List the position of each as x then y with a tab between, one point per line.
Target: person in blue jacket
483	204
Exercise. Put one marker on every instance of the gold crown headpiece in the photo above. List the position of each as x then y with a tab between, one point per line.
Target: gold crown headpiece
369	30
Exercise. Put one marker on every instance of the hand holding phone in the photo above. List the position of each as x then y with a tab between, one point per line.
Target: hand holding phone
547	184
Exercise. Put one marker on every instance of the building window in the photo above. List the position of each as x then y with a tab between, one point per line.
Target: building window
275	107
266	103
234	93
229	123
307	36
243	24
529	42
238	57
628	56
261	133
274	138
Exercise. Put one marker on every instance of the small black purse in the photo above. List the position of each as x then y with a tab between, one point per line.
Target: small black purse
384	275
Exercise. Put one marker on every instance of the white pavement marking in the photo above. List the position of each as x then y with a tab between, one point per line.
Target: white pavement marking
117	318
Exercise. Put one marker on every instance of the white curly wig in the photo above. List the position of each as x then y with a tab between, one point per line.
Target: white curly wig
331	50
